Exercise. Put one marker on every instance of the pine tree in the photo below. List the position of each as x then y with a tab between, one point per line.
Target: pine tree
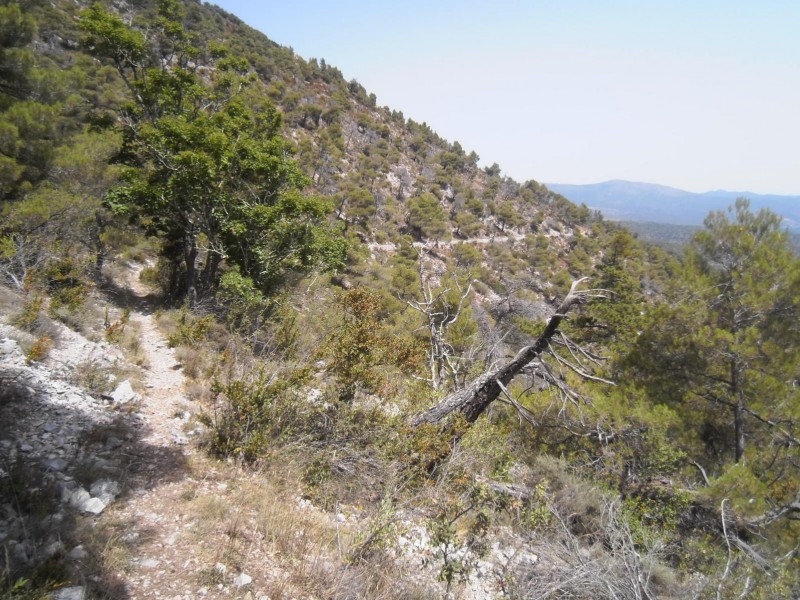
726	352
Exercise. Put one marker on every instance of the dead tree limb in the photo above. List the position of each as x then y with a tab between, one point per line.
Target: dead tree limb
473	400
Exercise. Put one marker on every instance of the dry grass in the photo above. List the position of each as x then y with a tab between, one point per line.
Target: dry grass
196	363
257	523
95	377
131	344
86	319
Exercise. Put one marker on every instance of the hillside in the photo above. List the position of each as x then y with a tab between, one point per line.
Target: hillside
645	202
262	338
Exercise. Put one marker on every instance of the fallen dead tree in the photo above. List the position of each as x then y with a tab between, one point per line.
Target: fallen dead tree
470	402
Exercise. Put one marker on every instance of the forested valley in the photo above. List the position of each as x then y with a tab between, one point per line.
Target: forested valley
474	387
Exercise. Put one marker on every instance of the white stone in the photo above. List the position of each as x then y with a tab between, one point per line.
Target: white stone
93	506
79	497
124	393
242	579
171	539
56	464
70	593
52	549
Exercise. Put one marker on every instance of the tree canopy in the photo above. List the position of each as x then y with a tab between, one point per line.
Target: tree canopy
208	168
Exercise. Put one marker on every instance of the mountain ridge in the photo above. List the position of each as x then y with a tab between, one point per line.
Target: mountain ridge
623	200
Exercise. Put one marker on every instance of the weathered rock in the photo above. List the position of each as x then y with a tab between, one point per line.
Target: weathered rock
124	393
105	489
67	488
149	563
70	593
93	506
242	579
112	443
53	548
56	464
79	497
20	552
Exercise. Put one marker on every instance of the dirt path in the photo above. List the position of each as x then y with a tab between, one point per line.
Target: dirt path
163	398
149	527
178	531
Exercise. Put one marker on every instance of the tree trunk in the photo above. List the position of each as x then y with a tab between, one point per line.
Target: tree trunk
190	257
738	424
99	246
473	400
213	260
738	412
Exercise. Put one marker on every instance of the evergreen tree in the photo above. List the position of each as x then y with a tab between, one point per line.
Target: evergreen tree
726	352
427	217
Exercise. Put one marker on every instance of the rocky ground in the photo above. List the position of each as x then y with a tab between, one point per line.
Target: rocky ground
77	467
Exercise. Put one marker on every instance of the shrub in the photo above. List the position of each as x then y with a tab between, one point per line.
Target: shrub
40	349
362	350
260	411
28	317
65	281
115	330
191	330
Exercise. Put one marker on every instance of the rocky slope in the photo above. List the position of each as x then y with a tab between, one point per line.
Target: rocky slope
69	453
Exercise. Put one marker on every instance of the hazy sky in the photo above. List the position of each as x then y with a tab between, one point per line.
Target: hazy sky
699	94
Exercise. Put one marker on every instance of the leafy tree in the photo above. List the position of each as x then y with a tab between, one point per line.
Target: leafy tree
31	95
62	216
209	170
467	225
493	170
358	205
615	321
508	215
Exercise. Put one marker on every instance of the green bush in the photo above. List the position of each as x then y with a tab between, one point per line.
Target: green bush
259	412
66	282
27	318
191	330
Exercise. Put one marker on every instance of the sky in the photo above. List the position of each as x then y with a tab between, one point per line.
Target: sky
699	95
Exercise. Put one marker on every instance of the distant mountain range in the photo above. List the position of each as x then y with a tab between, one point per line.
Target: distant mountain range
620	200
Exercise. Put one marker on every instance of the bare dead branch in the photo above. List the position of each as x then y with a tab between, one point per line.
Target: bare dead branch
473	400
